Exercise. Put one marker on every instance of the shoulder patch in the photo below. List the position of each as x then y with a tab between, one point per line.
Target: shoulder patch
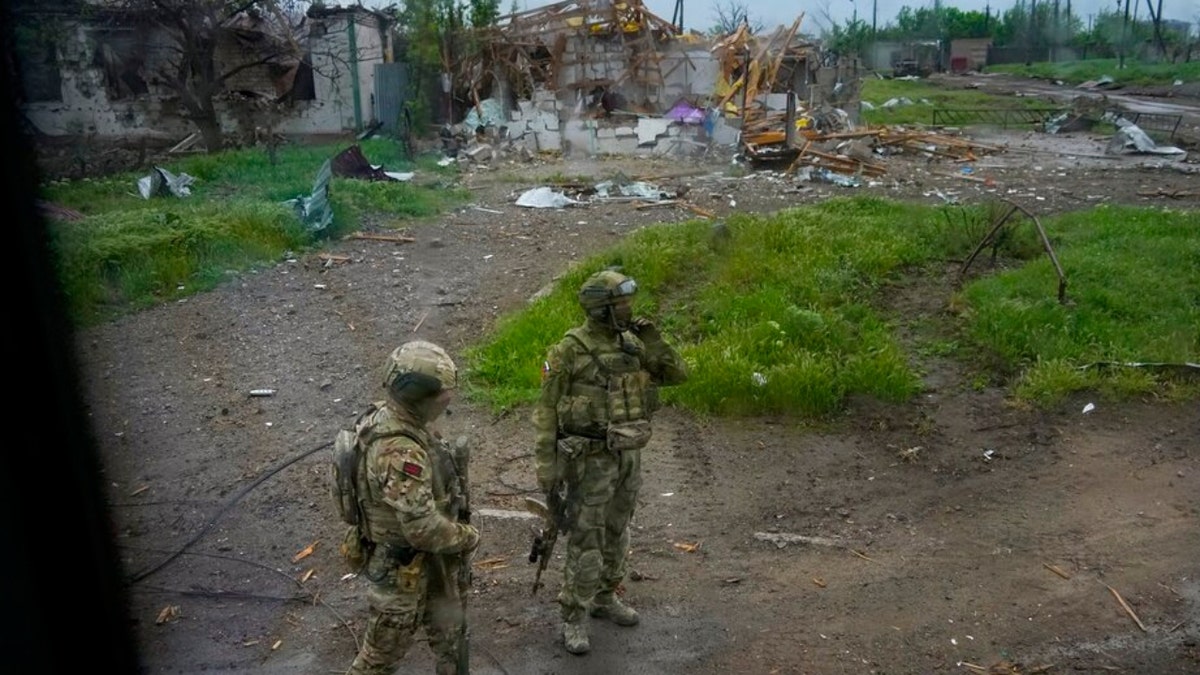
414	470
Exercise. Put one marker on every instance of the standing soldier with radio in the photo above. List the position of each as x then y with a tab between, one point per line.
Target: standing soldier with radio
599	391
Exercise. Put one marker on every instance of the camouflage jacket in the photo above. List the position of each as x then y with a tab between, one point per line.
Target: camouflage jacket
409	488
594	376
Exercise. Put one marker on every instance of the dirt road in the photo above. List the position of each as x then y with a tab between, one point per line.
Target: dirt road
955	531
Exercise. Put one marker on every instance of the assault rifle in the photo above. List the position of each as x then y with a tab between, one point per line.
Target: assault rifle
554	520
462	457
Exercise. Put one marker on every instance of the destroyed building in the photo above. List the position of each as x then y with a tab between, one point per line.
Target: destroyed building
605	77
592	76
101	71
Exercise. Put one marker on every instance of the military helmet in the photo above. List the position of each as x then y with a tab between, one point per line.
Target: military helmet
603	289
420	362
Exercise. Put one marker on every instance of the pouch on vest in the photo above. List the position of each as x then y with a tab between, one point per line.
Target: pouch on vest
355	549
628	435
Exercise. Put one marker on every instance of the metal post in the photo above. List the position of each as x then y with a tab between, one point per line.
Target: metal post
352	36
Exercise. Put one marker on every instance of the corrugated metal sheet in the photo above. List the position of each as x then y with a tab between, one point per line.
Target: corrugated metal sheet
391	93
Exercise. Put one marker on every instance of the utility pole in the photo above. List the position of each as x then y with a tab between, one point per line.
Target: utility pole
1124	32
1157	19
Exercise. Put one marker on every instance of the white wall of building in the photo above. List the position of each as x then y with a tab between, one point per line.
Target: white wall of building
85	107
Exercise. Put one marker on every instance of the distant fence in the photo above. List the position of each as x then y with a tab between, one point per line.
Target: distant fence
1003	117
1154	124
1010	54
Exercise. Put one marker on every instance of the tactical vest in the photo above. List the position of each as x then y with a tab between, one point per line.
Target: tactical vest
382	524
615	392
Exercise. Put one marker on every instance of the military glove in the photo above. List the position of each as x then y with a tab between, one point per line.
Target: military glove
646	330
472	542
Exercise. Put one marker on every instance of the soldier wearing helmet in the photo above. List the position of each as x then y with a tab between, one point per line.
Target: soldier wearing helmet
591	422
413	514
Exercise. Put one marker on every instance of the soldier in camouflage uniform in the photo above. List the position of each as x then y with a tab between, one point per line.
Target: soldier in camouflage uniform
411	500
599	387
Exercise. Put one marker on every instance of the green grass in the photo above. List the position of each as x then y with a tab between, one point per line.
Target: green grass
1076	72
793	317
794	301
1134	289
925	97
129	252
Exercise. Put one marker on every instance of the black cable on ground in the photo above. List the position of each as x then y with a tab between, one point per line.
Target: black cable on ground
224	509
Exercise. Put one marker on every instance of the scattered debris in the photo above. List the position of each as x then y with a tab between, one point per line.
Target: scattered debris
186	144
686	547
330	259
1185	368
314	209
544	198
782	539
491	564
1172	194
1129	137
1089	408
819	582
61	213
910	455
862	555
163	183
992	239
351	163
262	392
1004	668
1057	570
168	613
504	514
306	551
1126	607
393	238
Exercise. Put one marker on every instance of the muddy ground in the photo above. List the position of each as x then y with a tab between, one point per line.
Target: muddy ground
954	533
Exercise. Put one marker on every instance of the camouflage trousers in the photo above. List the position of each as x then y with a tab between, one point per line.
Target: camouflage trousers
402	598
602	491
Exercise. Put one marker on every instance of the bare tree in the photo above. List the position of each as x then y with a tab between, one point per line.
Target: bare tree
728	15
205	43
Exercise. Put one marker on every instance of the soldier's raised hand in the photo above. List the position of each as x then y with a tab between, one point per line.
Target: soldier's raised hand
645	329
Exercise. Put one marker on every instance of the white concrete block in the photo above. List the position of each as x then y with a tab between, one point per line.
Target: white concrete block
649	129
777	101
625	131
549	141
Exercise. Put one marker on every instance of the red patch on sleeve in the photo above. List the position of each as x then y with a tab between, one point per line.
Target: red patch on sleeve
412	469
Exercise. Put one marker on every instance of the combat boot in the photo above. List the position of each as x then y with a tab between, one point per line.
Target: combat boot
609	606
575	637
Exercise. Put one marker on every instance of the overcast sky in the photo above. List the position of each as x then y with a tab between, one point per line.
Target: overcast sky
699	14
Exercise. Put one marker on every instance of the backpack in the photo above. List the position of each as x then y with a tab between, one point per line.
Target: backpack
343	476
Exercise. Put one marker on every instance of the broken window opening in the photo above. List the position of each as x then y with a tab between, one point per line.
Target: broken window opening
120	58
304	88
40	74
